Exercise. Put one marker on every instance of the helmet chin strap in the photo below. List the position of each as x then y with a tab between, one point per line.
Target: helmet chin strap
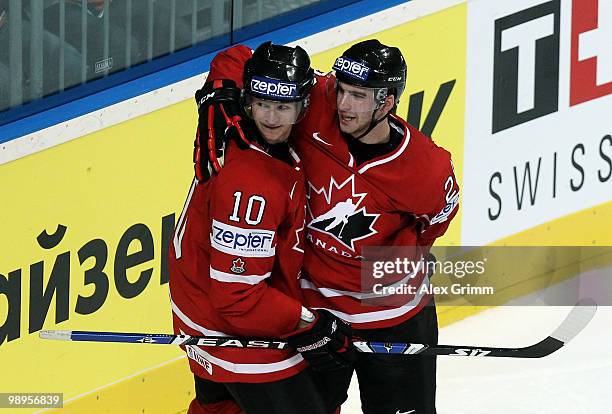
373	123
381	98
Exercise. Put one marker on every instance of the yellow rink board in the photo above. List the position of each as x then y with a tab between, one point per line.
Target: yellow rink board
97	186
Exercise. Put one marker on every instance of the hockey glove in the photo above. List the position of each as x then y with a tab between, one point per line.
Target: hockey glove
325	343
218	120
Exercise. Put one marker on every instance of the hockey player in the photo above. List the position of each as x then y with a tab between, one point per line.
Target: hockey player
371	180
237	251
406	195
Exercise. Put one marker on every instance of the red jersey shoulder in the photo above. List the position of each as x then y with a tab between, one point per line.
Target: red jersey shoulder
424	155
424	162
420	166
324	84
254	166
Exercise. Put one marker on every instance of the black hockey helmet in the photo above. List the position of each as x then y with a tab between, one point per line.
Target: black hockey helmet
371	64
278	73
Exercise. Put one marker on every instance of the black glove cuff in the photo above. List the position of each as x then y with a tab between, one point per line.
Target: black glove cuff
223	90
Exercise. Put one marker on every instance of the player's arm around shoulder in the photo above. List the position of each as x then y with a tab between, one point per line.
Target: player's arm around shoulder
322	102
323	95
229	64
246	213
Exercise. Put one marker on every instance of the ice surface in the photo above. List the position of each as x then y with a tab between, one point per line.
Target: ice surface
574	380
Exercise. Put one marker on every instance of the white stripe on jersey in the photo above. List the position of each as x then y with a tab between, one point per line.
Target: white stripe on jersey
231	278
185	319
330	293
294	155
179	232
364	317
391	157
258	368
375	316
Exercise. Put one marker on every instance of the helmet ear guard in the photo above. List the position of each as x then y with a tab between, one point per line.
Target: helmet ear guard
305	105
380	96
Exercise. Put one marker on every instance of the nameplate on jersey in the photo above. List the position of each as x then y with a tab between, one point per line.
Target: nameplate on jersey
443	215
351	68
242	242
274	88
195	354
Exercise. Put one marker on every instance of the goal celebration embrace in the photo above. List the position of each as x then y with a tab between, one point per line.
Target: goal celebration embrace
355	157
296	172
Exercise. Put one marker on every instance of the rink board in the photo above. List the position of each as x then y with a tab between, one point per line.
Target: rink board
105	205
538	133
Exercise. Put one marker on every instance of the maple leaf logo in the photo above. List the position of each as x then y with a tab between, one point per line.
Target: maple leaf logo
237	266
337	211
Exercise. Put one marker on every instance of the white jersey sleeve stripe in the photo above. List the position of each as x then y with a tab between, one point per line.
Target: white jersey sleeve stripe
258	368
330	293
185	319
375	316
391	157
231	278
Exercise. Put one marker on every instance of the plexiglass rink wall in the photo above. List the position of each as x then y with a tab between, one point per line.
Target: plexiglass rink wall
49	46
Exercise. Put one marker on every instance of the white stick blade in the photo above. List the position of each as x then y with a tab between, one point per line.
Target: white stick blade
362	346
576	320
56	335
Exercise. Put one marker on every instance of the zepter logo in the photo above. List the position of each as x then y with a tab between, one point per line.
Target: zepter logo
242	242
351	68
273	88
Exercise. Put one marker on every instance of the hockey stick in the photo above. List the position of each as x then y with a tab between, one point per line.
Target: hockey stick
575	322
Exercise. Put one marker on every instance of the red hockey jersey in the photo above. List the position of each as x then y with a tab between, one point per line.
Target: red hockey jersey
404	198
235	264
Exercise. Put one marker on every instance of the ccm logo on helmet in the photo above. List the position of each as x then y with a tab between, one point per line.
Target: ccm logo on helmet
273	88
242	242
351	68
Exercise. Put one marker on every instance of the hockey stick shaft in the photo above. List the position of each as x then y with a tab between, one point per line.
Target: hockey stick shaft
230	342
577	319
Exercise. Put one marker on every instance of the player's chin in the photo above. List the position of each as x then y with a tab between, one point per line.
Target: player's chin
276	135
347	127
352	130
